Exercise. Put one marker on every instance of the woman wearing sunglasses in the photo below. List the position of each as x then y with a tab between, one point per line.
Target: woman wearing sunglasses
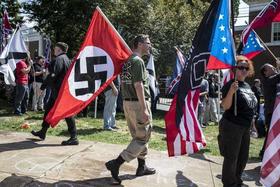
234	129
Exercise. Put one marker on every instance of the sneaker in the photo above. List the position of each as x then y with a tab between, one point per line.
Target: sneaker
112	166
145	171
70	141
39	134
115	127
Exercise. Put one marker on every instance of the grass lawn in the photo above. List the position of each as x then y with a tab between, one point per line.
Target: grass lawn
92	129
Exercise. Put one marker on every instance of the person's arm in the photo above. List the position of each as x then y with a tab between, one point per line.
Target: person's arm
139	87
26	70
114	89
227	101
54	70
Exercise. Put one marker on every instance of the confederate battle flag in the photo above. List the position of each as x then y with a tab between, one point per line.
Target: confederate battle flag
96	65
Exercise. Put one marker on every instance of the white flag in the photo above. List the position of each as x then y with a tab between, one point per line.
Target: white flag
14	51
152	76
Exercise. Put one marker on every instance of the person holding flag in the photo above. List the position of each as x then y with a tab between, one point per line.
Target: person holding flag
234	130
270	79
136	97
57	72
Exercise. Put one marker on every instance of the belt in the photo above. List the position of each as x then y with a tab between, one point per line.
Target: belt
135	99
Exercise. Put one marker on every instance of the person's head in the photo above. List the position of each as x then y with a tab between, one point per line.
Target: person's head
60	47
244	68
257	82
268	70
41	60
142	44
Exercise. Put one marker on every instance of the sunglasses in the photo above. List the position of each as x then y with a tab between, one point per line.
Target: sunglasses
242	68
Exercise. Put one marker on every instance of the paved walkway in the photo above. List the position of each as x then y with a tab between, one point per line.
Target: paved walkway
26	162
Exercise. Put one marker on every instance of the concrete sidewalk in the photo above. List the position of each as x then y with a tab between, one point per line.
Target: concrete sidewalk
27	162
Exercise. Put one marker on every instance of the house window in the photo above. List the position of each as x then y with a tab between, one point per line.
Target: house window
276	32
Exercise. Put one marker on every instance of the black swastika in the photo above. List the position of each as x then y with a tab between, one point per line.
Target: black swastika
90	76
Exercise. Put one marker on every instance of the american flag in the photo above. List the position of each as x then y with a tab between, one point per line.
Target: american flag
253	46
177	72
184	134
270	169
228	74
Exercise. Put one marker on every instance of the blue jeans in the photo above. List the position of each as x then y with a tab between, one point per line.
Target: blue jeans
22	95
109	112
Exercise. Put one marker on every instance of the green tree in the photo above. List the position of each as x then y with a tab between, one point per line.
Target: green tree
13	9
169	22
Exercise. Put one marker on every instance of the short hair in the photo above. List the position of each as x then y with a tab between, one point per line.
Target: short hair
263	69
63	46
241	58
140	38
40	57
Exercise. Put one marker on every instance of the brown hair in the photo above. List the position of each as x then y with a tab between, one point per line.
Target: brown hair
139	39
241	58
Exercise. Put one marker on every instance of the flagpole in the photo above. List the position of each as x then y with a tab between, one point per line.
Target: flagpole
108	21
235	77
265	46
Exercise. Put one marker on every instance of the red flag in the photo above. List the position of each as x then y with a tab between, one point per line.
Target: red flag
270	169
269	14
6	24
95	66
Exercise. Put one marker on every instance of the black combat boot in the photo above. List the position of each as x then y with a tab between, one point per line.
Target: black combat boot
114	166
143	169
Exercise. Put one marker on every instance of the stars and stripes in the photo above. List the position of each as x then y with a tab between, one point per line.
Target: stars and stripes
270	169
183	132
227	76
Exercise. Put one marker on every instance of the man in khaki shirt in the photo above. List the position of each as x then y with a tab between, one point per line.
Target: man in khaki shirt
136	97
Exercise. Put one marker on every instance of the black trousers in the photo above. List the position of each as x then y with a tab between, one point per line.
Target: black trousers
234	142
267	124
70	121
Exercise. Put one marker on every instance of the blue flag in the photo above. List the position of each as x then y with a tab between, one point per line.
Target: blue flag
222	50
253	46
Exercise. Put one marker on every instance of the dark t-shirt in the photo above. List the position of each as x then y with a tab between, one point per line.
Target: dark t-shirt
134	70
38	68
246	104
269	92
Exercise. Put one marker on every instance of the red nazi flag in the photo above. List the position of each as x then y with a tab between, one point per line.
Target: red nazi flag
96	65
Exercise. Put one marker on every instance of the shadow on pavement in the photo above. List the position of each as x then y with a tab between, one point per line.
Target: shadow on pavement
26	181
250	175
202	157
182	181
27	144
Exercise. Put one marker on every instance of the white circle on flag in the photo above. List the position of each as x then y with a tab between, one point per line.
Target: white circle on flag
89	51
